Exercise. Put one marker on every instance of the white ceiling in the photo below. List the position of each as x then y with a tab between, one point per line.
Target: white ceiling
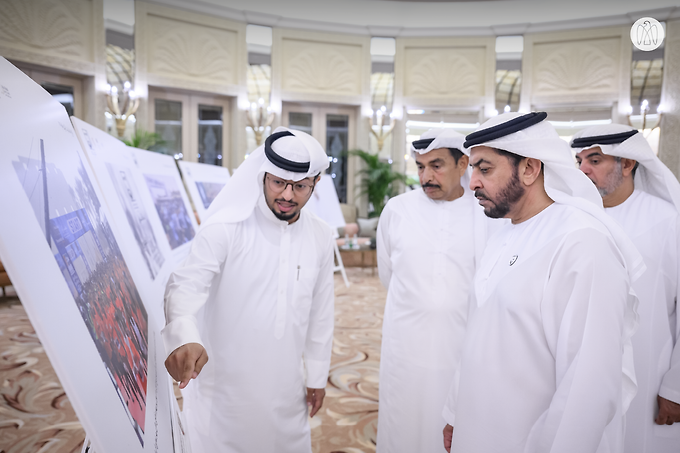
453	17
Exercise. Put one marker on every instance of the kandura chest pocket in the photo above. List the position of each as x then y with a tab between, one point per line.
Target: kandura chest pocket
304	287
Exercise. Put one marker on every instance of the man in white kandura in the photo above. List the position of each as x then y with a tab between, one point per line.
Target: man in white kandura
426	260
642	194
256	295
547	362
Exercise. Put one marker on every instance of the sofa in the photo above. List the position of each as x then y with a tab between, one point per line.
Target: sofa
365	228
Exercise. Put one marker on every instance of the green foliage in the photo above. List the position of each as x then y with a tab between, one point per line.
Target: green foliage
379	181
151	141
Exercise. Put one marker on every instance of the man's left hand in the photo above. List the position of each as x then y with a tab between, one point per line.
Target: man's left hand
448	437
315	400
669	412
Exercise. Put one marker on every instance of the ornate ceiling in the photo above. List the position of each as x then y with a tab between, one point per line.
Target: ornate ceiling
434	18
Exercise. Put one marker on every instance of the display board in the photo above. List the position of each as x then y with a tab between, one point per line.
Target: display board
64	255
171	202
325	204
203	182
132	206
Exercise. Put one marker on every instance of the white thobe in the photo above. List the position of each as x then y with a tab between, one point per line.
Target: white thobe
541	367
426	260
651	223
258	294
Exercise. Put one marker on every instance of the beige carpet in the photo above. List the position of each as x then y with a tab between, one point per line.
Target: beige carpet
36	416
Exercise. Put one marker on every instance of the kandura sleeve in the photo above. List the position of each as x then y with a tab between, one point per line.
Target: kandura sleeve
670	384
319	342
585	309
384	251
189	286
449	413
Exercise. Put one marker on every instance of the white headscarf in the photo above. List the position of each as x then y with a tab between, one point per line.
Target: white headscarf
238	197
440	138
652	175
566	184
443	138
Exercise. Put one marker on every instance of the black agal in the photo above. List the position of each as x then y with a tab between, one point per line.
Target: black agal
503	129
423	143
611	139
282	162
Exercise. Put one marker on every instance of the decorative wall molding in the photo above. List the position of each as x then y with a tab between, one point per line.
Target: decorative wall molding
55	64
57	29
273	20
320	67
191	51
444	72
451	73
325	68
577	68
60	37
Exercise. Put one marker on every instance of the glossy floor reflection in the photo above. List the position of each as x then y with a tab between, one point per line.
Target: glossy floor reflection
36	415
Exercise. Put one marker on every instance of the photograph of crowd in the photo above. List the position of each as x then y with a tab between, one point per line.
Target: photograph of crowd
137	217
69	212
171	209
208	191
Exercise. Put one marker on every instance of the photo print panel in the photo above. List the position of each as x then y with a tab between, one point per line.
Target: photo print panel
164	184
64	257
132	209
203	182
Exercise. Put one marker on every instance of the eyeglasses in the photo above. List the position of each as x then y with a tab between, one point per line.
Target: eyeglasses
279	186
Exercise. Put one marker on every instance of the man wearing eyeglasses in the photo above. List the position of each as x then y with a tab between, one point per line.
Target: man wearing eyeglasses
256	296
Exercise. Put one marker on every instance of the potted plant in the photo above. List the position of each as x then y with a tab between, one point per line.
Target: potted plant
151	141
379	181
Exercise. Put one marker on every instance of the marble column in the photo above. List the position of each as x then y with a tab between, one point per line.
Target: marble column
669	140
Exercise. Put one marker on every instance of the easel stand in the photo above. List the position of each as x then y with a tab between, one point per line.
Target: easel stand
87	445
340	267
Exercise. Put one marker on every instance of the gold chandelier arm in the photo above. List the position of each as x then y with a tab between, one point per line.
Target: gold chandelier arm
116	108
132	107
270	119
109	103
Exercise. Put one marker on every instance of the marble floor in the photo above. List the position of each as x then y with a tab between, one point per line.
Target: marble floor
36	416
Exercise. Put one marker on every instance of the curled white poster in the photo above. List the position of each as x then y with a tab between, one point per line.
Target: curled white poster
64	258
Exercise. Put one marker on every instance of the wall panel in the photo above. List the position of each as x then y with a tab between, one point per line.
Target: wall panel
53	30
578	68
320	67
445	72
189	51
60	36
192	52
